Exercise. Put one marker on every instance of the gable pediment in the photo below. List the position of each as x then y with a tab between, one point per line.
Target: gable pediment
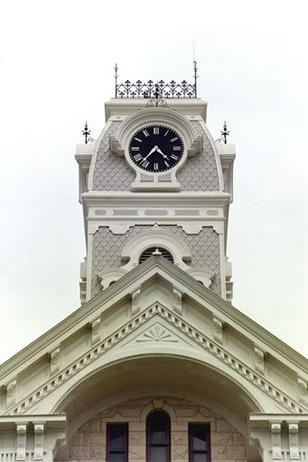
159	310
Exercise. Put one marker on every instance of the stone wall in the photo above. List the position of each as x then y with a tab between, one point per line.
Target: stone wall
89	442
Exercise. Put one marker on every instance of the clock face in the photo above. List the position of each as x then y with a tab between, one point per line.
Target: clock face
156	148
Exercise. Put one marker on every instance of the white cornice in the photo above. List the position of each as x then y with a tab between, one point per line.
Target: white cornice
262	421
176	198
34	418
126	106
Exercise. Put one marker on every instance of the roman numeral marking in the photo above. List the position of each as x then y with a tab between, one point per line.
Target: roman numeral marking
174	157
167	164
145	132
156	131
137	139
166	133
156	166
138	157
145	163
176	148
174	139
135	148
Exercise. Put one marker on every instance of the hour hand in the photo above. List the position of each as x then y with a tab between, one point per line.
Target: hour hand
160	152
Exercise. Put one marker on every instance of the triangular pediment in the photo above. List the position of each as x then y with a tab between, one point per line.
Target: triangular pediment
126	317
157	332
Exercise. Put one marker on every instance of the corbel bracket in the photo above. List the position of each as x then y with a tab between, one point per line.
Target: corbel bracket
275	428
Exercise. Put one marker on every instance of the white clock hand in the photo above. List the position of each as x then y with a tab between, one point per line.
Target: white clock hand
151	152
160	152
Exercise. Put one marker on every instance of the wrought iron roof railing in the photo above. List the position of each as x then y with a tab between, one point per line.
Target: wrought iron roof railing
160	89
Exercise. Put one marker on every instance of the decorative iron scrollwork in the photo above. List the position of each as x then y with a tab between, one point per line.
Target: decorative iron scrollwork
149	89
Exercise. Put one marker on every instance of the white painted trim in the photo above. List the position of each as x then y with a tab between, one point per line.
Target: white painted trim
119	108
222	266
94	155
89	266
217	157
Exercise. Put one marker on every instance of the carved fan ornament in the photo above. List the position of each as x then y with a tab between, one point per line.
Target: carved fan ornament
157	334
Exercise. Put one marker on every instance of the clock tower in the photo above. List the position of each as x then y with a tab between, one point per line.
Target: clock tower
155	182
156	365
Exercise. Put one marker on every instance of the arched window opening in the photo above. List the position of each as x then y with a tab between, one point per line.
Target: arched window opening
155	251
158	437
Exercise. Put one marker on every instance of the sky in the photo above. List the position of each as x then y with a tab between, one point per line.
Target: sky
56	71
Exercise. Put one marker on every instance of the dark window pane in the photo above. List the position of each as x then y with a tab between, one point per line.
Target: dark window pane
117	437
158	428
199	457
198	443
158	437
198	437
158	454
117	457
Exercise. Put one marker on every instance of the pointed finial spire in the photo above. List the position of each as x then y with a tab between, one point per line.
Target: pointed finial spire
195	76
225	132
116	80
86	133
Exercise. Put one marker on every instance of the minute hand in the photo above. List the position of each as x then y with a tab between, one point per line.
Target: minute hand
151	152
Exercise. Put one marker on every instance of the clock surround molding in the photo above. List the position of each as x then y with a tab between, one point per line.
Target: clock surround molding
162	181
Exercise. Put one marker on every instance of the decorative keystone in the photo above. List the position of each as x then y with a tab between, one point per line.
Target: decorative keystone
158	403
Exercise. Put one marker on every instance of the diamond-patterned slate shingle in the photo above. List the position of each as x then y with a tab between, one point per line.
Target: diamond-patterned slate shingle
107	248
112	172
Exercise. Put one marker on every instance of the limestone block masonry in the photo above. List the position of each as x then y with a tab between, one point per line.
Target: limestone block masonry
89	441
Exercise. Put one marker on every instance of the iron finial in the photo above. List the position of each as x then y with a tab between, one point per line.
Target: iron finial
225	133
116	80
86	133
195	76
157	97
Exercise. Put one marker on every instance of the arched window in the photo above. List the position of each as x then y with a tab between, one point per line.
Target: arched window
155	251
158	437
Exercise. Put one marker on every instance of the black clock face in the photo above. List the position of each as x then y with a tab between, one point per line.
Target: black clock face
156	148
